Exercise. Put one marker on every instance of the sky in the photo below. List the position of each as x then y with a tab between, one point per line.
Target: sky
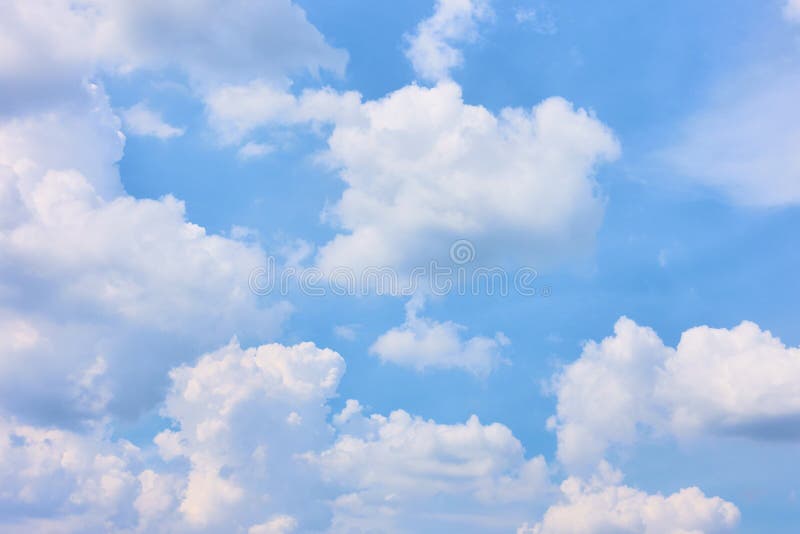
284	266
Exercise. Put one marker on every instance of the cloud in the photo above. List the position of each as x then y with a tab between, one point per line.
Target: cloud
241	416
742	144
89	274
400	473
236	110
141	120
423	169
49	48
739	381
84	477
431	47
253	150
249	444
423	343
602	505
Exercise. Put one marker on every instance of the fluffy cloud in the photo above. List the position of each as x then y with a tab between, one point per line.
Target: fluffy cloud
403	473
431	47
602	505
740	381
85	478
423	343
89	275
49	47
249	448
423	169
242	417
743	144
141	120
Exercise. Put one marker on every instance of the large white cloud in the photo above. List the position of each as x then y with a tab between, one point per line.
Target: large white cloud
54	480
423	343
431	48
403	473
242	417
89	274
602	505
48	47
740	381
424	169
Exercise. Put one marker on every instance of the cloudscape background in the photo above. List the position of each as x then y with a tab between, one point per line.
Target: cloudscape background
632	169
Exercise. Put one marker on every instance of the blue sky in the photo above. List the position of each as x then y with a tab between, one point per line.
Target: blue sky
642	158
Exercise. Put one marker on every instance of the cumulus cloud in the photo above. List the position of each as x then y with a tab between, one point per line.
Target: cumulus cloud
86	478
602	505
423	343
86	269
432	47
404	473
740	381
251	446
48	48
742	144
241	417
423	169
252	424
141	120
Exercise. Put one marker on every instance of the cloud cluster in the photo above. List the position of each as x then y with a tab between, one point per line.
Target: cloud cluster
103	292
424	169
50	47
740	381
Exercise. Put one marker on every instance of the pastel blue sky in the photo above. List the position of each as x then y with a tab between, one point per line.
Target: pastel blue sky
641	159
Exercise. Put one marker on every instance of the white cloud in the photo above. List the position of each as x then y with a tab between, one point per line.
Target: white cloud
743	144
431	47
791	10
347	332
141	120
249	448
423	169
236	110
49	47
254	150
282	524
403	473
89	273
44	470
740	381
233	414
602	505
423	343
233	424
